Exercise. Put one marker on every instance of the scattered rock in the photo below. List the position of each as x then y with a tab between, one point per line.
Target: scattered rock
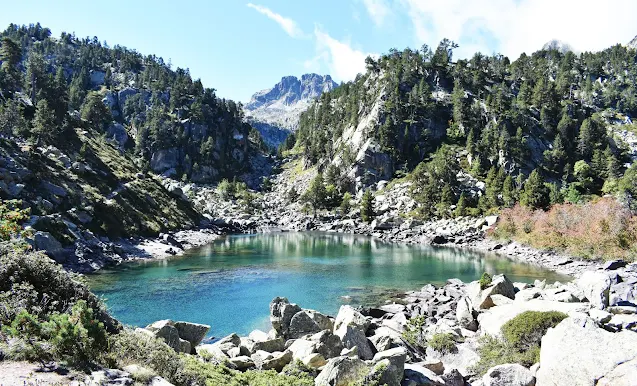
342	371
508	375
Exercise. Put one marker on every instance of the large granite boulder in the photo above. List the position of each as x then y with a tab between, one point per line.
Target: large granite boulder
622	375
303	323
281	313
393	364
577	352
192	332
596	287
416	375
166	330
481	298
508	375
464	315
328	344
164	160
342	371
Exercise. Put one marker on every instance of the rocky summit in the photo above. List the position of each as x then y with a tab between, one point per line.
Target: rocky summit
276	111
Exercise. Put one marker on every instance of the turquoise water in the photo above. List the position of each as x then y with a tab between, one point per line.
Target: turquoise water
230	283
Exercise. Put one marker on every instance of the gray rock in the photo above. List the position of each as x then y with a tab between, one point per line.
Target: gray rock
109	377
481	298
508	375
348	316
233	339
44	241
622	375
352	336
302	324
124	94
578	352
342	371
384	373
596	288
192	332
165	330
624	293
314	361
614	265
464	315
165	159
433	365
242	362
281	313
395	365
416	375
302	348
117	132
453	378
328	344
278	361
270	345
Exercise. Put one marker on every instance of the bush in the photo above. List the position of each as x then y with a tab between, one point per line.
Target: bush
526	330
30	281
413	333
367	206
444	343
485	280
11	218
76	339
521	340
601	229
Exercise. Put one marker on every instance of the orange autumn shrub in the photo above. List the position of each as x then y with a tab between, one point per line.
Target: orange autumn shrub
600	229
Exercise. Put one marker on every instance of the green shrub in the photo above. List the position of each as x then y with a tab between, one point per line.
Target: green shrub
494	352
485	281
526	330
521	340
30	281
444	343
77	339
413	333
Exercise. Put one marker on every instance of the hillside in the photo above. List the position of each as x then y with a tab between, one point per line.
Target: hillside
89	134
275	112
476	129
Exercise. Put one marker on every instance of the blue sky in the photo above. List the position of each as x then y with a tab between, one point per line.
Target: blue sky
240	47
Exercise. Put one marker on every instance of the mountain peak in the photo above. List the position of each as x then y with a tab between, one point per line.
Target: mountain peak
633	43
291	90
558	45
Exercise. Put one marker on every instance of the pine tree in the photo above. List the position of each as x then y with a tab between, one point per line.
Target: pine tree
461	206
95	112
509	193
316	195
44	129
346	204
535	194
367	206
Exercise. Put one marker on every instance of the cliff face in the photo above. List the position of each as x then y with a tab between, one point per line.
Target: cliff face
275	112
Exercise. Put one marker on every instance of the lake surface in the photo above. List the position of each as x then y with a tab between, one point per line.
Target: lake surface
230	283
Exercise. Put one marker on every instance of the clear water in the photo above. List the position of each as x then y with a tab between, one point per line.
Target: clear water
230	283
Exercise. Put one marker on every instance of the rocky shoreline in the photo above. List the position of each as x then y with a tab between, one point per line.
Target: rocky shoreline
394	344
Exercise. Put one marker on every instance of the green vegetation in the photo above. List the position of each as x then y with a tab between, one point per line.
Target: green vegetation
414	330
533	129
521	340
367	206
444	343
11	218
485	280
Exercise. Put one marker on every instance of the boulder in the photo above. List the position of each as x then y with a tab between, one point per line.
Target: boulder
281	313
527	294
342	371
384	373
596	288
117	132
614	265
192	332
464	315
578	352
348	316
453	378
508	375
258	336
278	361
270	345
108	377
164	159
622	375
624	293
491	320
433	365
351	336
395	359
481	298
166	330
44	241
328	344
302	348
242	362
303	324
416	375
314	361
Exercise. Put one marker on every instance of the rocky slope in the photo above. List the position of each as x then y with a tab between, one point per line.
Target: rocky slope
275	112
633	43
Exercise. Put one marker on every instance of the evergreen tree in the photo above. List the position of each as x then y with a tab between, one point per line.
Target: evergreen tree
367	206
534	194
316	195
44	128
95	112
461	206
346	204
509	193
10	55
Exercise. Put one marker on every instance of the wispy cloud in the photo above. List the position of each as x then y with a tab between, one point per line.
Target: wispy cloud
515	26
343	61
378	10
288	25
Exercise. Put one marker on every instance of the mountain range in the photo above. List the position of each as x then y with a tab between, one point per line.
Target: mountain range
275	112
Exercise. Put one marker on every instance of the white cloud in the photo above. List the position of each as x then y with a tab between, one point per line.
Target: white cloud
288	25
378	10
343	61
515	26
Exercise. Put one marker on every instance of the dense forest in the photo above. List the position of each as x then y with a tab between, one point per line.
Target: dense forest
172	123
539	130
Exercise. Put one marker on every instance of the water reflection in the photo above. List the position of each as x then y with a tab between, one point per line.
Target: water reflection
230	283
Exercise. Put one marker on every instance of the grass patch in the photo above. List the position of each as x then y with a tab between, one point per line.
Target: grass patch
444	343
